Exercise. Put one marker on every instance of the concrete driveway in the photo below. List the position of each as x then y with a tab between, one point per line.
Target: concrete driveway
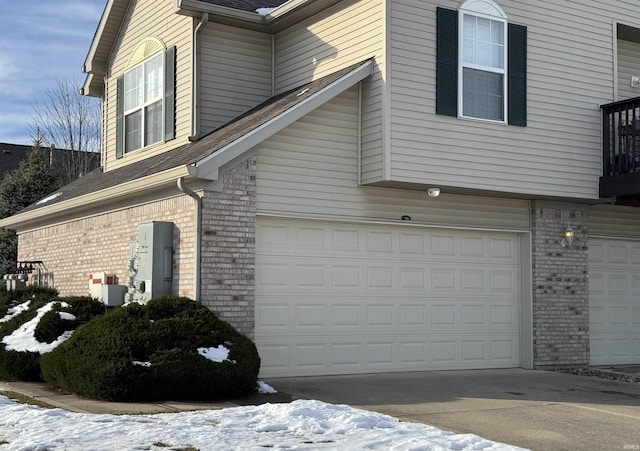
539	410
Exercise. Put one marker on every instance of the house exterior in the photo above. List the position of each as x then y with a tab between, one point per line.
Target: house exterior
292	149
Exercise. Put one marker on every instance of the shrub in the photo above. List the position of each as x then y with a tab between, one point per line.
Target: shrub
52	325
21	365
102	359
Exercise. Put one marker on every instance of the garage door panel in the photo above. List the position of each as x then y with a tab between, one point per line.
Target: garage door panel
614	299
360	298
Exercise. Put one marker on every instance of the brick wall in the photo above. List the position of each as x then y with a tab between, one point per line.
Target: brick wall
72	250
228	247
560	287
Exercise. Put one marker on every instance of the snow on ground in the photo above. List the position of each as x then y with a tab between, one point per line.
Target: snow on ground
299	425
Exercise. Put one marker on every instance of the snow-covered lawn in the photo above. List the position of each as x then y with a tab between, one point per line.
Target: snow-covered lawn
300	425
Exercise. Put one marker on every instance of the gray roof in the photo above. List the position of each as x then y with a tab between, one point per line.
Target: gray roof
246	5
11	155
193	152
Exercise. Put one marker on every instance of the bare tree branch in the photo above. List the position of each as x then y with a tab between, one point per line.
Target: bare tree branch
69	125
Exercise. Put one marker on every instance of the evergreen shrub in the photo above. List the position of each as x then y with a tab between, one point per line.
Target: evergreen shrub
21	365
150	352
52	325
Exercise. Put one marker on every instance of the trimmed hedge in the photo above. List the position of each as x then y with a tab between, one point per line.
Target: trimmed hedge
102	360
23	365
52	325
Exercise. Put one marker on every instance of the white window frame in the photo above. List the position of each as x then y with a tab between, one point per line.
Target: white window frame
144	103
485	9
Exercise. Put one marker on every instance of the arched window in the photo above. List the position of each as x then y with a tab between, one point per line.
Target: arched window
145	97
483	56
481	66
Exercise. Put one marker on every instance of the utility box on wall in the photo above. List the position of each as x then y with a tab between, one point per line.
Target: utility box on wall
154	260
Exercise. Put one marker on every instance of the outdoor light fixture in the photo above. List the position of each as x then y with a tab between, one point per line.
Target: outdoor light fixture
567	237
433	192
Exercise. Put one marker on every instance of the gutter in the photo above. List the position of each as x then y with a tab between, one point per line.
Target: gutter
189	192
195	69
87	201
245	16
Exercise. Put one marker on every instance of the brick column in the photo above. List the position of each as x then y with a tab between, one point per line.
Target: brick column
228	247
560	286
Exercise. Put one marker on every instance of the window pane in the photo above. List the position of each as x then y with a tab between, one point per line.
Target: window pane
483	54
133	88
153	78
484	30
133	131
153	123
497	32
482	94
483	42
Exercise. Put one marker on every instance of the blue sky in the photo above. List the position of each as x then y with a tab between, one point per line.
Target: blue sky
41	41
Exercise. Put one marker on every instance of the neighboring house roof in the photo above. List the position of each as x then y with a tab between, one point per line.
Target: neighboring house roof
201	159
11	155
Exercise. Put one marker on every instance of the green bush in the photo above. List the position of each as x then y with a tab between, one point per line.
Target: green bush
21	365
52	325
101	359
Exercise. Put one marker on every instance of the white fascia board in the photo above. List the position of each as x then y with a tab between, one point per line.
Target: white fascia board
284	9
89	65
195	5
208	168
124	190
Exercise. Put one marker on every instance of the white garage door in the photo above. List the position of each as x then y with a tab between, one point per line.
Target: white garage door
340	298
614	301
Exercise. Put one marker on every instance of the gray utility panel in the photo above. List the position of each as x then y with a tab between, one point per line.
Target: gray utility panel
154	275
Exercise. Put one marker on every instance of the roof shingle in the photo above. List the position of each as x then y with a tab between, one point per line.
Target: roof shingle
193	152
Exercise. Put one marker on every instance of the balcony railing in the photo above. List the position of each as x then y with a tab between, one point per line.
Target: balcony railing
620	148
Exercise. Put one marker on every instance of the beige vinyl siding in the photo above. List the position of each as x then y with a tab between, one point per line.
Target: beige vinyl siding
235	72
150	18
309	169
345	34
628	65
570	73
614	221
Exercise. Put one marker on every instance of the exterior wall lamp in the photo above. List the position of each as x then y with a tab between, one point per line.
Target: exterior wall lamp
567	237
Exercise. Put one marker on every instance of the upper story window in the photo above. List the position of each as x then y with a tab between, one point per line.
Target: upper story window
144	103
481	64
145	98
483	47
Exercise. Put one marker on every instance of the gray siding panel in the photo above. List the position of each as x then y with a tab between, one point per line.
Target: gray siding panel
352	31
614	221
236	72
309	170
570	67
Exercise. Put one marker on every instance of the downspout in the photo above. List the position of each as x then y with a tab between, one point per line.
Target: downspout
195	68
189	192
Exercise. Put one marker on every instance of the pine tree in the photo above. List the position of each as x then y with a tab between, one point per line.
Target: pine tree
30	182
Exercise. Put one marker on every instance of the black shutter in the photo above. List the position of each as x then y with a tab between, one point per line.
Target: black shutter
119	117
169	93
517	73
447	62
